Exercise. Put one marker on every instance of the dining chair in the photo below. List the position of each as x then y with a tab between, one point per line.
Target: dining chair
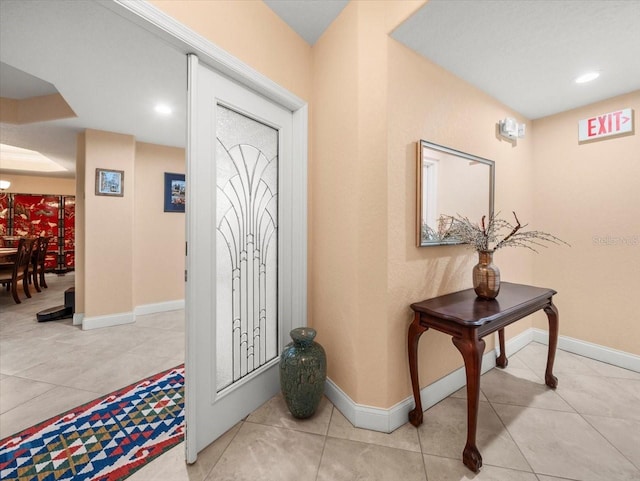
42	255
11	274
32	273
36	271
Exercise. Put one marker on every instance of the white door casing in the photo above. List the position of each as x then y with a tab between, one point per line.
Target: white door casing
179	36
213	407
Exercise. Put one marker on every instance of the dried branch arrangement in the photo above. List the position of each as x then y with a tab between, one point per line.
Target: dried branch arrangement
495	233
441	233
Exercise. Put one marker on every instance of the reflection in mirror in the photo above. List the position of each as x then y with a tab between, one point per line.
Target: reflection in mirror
450	183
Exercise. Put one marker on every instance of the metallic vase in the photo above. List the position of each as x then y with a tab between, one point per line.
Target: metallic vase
303	372
486	276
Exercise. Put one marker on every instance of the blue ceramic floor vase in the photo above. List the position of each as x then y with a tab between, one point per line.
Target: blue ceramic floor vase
303	372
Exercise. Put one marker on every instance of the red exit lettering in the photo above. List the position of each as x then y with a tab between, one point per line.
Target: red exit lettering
605	124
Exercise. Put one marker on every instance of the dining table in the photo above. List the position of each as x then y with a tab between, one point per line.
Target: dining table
8	254
10	240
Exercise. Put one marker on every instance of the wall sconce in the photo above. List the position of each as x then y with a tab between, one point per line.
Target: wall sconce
511	129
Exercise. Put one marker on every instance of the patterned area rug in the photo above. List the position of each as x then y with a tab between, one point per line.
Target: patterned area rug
105	440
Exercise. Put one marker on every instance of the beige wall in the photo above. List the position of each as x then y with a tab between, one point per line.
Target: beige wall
371	99
80	222
9	110
429	103
158	236
366	269
34	109
589	195
108	247
32	184
129	239
334	184
252	32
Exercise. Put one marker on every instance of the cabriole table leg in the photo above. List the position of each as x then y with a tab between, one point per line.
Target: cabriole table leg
552	314
502	360
471	349
415	331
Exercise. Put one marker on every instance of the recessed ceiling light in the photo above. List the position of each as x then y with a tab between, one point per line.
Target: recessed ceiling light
163	109
588	77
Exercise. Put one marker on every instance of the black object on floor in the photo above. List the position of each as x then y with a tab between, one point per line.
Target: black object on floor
60	312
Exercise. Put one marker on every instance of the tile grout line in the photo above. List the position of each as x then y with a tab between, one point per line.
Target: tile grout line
506	429
597	375
424	462
206	476
609	442
575	411
324	443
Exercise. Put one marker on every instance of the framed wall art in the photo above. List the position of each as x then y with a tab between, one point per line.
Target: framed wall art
110	182
174	192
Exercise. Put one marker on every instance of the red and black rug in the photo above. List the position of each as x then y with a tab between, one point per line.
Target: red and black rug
105	440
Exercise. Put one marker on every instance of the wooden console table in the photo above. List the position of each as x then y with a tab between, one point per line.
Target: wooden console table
468	319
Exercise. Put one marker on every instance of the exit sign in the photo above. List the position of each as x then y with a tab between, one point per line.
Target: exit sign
606	125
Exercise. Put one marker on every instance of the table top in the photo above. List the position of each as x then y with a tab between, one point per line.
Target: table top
465	308
7	256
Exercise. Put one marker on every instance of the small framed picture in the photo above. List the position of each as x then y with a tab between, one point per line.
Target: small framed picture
110	182
174	192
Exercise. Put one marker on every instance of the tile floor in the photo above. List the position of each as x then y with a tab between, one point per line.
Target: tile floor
50	367
586	430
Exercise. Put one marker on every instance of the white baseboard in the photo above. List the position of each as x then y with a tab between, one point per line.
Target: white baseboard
159	307
516	343
592	351
77	318
110	320
387	420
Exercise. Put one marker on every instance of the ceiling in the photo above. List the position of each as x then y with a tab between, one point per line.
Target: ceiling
524	53
309	18
527	53
110	72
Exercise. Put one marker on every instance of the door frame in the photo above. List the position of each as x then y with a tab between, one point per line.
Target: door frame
188	41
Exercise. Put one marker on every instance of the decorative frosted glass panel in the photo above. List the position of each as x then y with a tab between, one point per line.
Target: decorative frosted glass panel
246	245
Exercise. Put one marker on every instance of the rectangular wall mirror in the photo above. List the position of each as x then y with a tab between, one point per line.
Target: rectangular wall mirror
450	183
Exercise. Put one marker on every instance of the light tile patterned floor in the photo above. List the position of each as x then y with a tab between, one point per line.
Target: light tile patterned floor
50	367
586	430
